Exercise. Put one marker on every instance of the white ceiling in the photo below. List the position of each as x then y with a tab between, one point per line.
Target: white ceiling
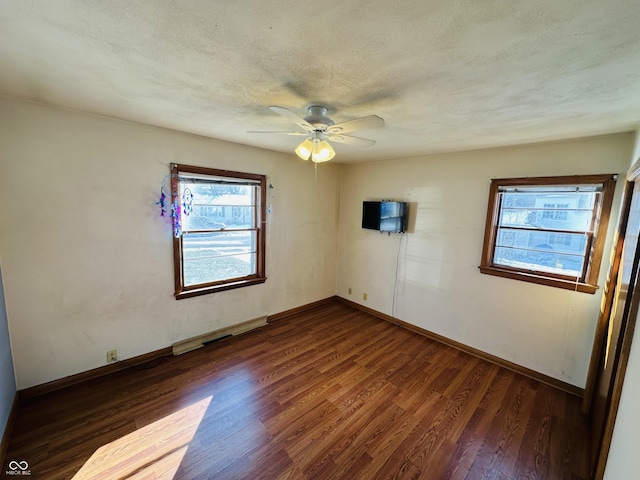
446	75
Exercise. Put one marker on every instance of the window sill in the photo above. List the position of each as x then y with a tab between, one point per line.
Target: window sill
541	280
218	288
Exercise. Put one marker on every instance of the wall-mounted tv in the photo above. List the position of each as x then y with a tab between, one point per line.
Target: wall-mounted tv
384	216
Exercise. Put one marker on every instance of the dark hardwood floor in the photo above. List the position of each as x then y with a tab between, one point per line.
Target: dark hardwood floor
332	393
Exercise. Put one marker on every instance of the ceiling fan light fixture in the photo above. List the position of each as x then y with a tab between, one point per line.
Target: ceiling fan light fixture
305	149
322	152
317	127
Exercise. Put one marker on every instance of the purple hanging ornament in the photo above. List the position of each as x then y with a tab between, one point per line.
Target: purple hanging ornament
161	202
175	217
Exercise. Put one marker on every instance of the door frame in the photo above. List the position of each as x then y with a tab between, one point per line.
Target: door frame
632	307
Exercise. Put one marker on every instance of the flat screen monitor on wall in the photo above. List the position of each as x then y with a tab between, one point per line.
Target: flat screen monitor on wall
384	216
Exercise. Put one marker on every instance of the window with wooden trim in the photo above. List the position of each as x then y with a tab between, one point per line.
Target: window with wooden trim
548	230
222	242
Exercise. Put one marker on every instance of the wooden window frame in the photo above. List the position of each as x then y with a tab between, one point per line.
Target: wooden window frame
588	281
182	291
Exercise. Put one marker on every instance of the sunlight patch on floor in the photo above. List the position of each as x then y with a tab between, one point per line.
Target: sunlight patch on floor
154	451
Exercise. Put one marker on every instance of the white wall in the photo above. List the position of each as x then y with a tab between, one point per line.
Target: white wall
87	260
623	461
7	377
439	286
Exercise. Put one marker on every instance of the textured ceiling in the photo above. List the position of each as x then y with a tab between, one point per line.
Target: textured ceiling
446	75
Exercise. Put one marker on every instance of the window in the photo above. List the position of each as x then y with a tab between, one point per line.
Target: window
222	245
548	230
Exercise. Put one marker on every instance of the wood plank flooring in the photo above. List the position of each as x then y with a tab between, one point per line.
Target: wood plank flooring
332	393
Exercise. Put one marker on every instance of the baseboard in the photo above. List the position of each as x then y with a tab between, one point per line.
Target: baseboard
527	372
4	443
81	377
302	308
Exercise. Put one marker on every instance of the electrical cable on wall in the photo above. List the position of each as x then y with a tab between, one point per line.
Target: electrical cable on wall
395	284
571	309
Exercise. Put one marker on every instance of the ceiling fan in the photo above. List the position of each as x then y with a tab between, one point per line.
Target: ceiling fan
320	129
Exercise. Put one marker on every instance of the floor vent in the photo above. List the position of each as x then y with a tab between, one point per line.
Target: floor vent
193	343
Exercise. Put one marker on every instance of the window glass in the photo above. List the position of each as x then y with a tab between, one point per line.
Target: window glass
214	256
523	238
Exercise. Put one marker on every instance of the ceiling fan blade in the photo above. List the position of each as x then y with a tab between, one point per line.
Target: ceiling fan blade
301	122
350	140
363	123
282	133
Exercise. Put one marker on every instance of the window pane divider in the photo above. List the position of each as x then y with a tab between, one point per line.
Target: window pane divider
528	249
549	209
548	230
219	256
221	230
222	205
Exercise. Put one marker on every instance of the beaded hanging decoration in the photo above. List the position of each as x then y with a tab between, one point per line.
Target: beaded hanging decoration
162	203
187	202
175	219
181	204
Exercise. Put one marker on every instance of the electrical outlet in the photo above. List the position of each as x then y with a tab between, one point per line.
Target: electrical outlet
364	296
112	356
349	290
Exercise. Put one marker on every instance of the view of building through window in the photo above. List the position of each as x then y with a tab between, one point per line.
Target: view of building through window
545	230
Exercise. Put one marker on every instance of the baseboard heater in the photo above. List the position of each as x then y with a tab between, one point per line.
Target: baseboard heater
193	343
